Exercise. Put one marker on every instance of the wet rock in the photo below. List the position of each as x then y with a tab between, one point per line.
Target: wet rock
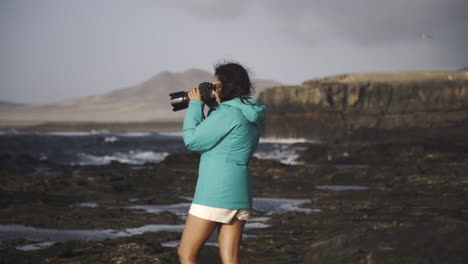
23	163
412	244
79	217
145	248
415	200
182	159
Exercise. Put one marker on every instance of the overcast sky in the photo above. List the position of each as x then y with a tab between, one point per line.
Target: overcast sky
56	49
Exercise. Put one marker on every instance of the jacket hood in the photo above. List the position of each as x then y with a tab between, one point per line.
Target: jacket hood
254	112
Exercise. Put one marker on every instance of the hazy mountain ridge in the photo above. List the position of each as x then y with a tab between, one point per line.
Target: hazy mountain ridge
463	69
6	106
8	103
148	100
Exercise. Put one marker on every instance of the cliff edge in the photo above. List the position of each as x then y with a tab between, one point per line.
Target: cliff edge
406	105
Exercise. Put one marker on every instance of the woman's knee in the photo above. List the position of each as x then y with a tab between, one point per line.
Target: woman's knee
229	257
186	256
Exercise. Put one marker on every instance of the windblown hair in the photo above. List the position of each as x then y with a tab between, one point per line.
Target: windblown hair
235	82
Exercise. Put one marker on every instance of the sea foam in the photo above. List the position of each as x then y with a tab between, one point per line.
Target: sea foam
136	157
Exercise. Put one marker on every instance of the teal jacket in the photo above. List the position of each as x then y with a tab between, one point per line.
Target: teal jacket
227	139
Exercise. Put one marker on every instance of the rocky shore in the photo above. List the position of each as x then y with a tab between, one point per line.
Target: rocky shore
362	203
387	183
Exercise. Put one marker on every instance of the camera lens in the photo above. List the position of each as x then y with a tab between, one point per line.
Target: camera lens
179	100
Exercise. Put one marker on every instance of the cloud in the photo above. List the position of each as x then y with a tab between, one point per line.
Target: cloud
363	22
368	21
210	9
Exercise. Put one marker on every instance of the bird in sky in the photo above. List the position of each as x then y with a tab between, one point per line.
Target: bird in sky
426	36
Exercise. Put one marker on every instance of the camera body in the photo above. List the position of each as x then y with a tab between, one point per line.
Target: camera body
180	100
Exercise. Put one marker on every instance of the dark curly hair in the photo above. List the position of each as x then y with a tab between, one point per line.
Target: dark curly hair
235	81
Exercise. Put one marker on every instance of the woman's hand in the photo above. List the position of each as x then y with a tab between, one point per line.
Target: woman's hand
194	94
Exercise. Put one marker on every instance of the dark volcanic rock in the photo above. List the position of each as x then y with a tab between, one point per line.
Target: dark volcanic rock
371	106
413	211
394	244
82	217
145	248
22	163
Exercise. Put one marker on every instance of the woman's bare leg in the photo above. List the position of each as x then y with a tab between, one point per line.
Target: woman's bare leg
196	232
229	238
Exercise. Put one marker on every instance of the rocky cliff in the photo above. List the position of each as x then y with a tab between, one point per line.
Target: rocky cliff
370	105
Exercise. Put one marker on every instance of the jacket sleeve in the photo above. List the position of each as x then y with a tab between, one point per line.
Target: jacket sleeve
202	135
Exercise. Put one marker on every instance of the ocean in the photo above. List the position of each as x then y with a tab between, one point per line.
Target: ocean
100	147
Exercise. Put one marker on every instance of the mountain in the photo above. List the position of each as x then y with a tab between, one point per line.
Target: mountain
6	106
143	102
463	69
367	105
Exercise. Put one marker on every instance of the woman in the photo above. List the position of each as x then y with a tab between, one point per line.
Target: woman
226	138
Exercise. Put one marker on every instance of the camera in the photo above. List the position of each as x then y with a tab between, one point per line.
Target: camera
180	100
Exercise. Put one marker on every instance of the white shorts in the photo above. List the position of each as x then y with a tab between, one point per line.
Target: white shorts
216	214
